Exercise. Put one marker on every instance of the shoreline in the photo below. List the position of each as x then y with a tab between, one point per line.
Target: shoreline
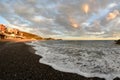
19	61
17	40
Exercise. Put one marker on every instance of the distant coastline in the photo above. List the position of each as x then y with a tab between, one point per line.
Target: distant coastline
12	34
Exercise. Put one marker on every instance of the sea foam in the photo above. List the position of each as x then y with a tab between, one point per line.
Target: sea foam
90	59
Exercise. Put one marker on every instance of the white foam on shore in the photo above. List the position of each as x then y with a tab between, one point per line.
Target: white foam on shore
89	62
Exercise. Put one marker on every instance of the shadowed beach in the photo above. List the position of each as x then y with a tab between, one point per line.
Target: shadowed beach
18	62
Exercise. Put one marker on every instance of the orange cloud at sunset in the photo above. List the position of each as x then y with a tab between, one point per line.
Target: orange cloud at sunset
112	15
73	23
86	8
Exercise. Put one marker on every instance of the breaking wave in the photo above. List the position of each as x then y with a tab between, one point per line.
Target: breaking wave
87	58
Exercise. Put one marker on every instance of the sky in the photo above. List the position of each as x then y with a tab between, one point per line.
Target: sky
66	19
3	21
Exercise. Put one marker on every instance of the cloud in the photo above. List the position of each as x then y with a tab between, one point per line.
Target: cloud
63	17
113	15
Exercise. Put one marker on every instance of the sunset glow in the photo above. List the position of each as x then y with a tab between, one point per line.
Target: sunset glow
85	8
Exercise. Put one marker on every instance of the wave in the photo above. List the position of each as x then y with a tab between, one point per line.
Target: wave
103	62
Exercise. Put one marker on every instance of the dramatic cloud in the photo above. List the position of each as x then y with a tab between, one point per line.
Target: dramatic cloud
64	18
113	15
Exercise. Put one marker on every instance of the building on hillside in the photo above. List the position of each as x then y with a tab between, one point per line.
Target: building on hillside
10	33
2	31
16	31
2	36
13	31
2	28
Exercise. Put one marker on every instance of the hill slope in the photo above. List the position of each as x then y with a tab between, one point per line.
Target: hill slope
31	36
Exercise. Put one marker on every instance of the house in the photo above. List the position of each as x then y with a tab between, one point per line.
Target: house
2	28
12	31
2	36
2	31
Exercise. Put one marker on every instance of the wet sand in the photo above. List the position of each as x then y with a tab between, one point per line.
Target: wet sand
18	62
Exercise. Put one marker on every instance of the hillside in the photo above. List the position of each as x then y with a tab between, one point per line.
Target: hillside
31	36
13	33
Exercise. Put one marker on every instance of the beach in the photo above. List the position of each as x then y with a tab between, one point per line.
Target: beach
18	61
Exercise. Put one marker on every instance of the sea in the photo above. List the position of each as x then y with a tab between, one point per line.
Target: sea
91	58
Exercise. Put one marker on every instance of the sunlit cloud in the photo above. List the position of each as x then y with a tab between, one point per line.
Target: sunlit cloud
73	23
86	8
113	15
63	18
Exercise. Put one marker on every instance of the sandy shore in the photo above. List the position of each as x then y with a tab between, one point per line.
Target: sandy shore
18	62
